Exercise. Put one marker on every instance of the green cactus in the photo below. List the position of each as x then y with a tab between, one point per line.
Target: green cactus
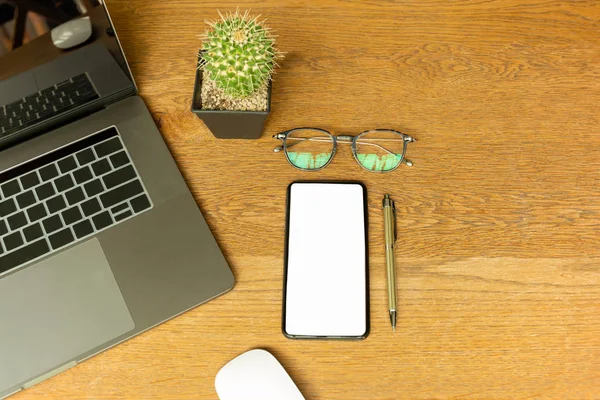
238	54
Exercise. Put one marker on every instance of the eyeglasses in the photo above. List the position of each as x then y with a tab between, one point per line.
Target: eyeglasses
376	150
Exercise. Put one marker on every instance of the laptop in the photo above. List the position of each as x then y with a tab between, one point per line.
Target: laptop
100	238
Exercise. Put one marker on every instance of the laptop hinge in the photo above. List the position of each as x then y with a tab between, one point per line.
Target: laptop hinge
117	97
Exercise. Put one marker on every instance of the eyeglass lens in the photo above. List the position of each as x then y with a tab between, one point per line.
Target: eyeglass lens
380	150
309	148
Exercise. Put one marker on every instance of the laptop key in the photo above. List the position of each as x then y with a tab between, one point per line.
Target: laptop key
7	207
61	238
36	212
26	199
11	188
119	176
71	215
48	172
122	216
23	255
64	182
33	232
13	241
108	147
17	221
83	175
140	203
93	188
102	220
121	193
30	180
44	191
85	157
75	195
52	224
119	159
83	228
92	206
67	164
101	167
56	204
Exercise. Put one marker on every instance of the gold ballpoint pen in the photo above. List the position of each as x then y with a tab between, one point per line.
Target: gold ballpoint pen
389	221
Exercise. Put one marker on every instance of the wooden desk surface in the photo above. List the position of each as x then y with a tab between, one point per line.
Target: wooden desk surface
499	277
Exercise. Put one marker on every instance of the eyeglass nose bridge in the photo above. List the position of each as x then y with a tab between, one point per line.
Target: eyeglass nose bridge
344	138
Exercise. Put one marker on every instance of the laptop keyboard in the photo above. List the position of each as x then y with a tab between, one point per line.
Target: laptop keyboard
66	196
46	103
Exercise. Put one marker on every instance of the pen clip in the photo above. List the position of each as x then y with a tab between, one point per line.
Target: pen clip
395	225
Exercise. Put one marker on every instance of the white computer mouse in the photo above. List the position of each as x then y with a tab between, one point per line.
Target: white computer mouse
255	375
72	33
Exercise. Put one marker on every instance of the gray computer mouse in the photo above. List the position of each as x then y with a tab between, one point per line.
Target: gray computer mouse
72	33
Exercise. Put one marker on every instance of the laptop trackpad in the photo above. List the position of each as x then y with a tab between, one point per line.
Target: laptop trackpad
53	312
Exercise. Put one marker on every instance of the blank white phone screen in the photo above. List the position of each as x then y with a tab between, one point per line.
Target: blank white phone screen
326	265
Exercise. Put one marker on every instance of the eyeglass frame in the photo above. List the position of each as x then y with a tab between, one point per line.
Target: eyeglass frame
347	139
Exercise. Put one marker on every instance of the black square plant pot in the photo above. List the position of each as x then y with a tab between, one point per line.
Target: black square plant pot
225	124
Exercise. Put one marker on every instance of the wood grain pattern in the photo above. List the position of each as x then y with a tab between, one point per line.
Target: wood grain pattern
499	277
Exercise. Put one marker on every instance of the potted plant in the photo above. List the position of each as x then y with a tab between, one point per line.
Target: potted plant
232	93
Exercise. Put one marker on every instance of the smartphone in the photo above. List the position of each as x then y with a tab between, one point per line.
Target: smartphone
326	272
